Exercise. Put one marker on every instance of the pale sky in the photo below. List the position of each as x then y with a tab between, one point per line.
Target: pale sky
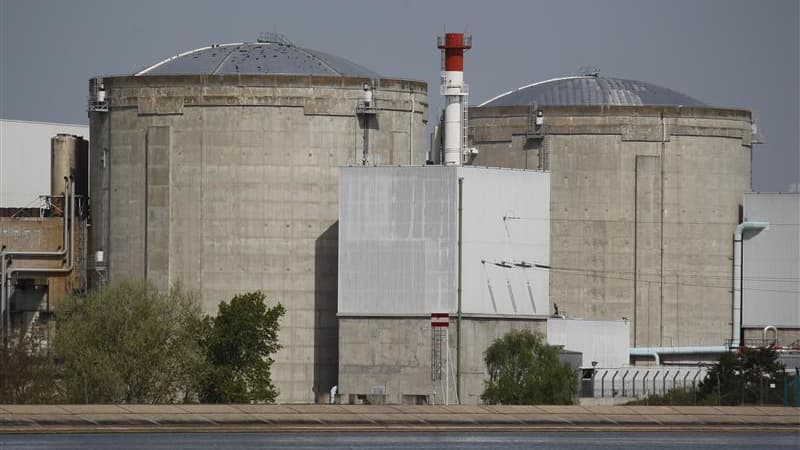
727	53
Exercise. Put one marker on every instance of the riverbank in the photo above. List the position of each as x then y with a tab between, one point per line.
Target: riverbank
266	418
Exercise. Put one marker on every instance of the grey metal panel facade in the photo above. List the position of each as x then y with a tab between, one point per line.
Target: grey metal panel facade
398	241
592	90
771	269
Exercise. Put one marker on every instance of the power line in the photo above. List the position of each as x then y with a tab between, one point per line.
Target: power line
599	274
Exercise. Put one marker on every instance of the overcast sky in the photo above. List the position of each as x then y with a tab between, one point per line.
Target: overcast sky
728	53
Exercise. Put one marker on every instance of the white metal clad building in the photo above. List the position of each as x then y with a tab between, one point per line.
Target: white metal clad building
771	263
398	264
606	342
25	159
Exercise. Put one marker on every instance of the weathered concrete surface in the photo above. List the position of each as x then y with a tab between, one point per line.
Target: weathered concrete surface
229	184
150	418
644	201
388	359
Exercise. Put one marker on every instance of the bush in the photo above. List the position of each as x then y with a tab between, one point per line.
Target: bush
128	343
26	371
524	370
744	377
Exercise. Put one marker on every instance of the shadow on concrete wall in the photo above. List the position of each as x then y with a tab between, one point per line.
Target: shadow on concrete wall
326	334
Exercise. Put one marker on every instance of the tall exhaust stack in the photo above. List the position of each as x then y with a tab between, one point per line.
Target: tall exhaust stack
455	92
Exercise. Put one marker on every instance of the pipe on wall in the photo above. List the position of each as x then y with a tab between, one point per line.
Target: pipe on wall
737	330
774	330
656	352
458	310
68	248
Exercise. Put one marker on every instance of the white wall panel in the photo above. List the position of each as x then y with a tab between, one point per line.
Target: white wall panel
606	342
771	268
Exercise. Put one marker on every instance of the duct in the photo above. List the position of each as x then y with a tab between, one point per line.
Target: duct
69	242
738	255
656	352
774	330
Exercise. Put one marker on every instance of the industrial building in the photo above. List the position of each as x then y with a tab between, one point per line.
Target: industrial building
437	262
646	191
43	248
219	168
611	214
770	268
469	244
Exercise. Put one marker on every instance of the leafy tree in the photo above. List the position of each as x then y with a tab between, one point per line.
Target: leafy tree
128	342
524	370
744	377
25	370
238	343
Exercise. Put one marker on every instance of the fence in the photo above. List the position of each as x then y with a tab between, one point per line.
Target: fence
636	382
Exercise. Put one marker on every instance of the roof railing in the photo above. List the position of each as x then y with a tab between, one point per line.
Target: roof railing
274	38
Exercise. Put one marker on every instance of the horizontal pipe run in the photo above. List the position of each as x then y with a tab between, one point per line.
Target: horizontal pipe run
656	352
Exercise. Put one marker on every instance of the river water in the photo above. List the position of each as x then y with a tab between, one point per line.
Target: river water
408	440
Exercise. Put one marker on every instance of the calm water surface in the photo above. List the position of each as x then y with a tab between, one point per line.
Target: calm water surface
416	441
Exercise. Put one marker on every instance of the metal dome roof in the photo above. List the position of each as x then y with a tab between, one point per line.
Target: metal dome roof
592	90
271	55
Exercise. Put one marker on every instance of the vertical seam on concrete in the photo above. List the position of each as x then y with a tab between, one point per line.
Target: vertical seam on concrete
201	206
146	194
635	246
661	231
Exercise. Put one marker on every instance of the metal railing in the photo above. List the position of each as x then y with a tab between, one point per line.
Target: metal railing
632	382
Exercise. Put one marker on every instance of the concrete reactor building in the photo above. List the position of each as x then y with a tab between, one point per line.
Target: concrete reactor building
646	188
219	168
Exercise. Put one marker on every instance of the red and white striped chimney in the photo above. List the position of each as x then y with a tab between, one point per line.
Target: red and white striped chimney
455	92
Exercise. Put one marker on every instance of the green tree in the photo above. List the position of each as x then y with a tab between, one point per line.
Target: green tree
238	343
128	342
744	377
524	370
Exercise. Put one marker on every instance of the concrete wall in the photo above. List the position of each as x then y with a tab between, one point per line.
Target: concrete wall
25	159
391	356
644	201
605	342
229	184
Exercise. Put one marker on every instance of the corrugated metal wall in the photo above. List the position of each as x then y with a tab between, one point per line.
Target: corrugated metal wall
398	241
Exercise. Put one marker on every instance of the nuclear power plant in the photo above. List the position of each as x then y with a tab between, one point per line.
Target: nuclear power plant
646	186
612	215
219	168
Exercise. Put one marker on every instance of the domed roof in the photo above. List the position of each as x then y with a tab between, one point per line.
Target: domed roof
592	90
272	54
